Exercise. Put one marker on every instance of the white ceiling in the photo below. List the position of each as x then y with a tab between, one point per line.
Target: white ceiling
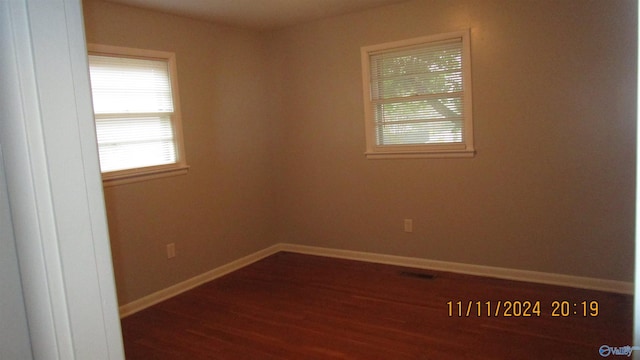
258	14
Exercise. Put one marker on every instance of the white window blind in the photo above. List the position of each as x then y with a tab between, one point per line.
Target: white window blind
135	142
415	96
133	105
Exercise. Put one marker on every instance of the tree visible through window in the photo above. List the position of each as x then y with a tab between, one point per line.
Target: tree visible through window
418	98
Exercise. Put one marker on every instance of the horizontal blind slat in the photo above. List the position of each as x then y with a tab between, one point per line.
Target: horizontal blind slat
125	85
133	105
416	94
126	143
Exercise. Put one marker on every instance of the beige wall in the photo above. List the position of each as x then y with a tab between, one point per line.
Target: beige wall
274	135
552	186
222	209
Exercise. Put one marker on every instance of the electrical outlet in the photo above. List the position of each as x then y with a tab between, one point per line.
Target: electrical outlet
408	225
171	250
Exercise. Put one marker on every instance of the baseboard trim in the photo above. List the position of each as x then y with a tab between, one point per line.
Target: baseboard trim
614	286
164	294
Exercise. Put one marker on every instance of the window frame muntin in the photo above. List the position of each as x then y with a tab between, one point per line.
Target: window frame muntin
180	167
374	151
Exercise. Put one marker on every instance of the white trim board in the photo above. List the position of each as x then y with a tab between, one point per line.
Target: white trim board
622	287
164	294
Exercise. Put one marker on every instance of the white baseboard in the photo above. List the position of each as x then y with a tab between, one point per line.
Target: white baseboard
622	287
614	286
164	294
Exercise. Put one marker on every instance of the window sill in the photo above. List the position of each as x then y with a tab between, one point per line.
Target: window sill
420	155
120	178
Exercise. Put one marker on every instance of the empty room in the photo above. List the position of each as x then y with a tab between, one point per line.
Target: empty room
421	179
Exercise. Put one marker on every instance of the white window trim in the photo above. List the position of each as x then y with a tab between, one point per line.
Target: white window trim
180	167
463	150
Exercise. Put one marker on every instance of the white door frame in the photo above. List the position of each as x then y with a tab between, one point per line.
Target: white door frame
636	306
54	186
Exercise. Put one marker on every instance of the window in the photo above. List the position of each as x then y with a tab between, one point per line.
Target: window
417	96
135	101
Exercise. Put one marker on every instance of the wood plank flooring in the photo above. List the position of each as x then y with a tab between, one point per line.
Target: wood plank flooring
293	306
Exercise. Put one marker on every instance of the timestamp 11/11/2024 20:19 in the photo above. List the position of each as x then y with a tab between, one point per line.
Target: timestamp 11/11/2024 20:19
517	308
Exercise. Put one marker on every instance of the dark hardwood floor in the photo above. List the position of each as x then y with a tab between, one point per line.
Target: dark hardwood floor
292	306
